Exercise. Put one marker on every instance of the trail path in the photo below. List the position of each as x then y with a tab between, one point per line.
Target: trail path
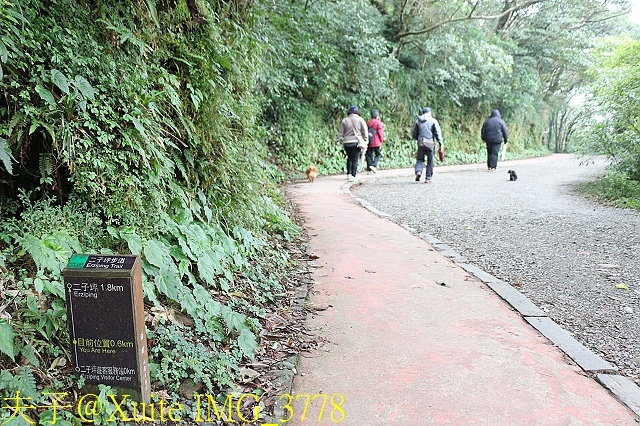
411	338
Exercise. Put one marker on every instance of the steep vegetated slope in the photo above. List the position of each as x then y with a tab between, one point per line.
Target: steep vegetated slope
129	127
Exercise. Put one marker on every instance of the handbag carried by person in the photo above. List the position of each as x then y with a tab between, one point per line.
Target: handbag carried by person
362	143
441	155
427	143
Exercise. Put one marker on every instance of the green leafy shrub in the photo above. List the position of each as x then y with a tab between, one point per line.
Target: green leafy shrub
178	355
609	124
617	188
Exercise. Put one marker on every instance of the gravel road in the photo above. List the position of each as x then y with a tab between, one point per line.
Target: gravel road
577	260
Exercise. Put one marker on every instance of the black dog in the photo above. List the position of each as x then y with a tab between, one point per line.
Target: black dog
512	175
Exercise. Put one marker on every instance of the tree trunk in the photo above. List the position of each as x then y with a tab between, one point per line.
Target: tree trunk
504	19
561	125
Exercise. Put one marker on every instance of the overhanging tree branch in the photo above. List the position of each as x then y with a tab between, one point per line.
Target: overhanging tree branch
602	19
469	17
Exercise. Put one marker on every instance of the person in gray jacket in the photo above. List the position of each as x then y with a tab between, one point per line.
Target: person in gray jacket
494	131
425	131
351	127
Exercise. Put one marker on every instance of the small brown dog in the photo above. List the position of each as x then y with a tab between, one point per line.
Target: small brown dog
312	173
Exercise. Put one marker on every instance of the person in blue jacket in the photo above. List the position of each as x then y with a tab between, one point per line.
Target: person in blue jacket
494	131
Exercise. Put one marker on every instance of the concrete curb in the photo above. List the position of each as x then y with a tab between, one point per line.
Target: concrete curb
623	389
369	207
517	300
586	359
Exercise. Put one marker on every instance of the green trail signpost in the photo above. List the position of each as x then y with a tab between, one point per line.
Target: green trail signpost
105	314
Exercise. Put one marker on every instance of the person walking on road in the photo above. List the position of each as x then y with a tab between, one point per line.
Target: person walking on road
353	135
375	128
494	131
426	131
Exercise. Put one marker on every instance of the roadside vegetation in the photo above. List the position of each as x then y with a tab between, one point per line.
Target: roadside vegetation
609	119
164	128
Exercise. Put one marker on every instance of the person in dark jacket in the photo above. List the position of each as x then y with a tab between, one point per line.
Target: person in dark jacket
373	151
494	131
425	131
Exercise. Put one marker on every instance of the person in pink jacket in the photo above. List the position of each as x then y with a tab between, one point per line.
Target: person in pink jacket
375	128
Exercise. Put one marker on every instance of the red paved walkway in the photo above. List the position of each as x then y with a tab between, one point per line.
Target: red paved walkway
403	349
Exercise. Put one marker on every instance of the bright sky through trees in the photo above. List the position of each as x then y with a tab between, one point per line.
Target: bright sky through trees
634	15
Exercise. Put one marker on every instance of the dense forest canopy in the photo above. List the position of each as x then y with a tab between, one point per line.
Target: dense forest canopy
162	128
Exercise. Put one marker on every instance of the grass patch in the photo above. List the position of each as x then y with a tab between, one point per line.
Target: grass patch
615	188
